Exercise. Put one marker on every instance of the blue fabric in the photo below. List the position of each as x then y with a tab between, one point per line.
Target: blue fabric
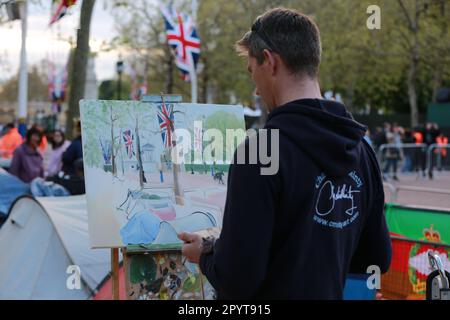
42	188
22	130
143	228
11	189
356	288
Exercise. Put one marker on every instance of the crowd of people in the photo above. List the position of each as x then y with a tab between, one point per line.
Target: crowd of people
47	161
52	165
395	144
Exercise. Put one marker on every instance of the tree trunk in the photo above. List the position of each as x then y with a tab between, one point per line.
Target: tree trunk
437	81
412	80
351	96
169	81
80	61
121	151
413	68
138	155
113	155
176	168
412	94
205	82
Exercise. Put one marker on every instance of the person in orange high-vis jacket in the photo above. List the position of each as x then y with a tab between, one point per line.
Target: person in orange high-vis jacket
43	146
418	136
442	141
419	159
10	141
441	152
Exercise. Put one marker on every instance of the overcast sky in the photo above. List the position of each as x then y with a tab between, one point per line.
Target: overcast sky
42	40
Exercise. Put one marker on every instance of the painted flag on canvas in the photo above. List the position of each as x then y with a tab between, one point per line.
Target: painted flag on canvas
128	140
198	138
165	120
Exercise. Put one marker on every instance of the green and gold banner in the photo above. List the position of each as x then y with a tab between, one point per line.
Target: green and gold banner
419	224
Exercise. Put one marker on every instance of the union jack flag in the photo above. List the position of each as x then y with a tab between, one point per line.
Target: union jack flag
59	9
128	138
182	36
166	120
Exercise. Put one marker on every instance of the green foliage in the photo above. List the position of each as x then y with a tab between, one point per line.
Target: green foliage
108	90
224	121
92	125
368	67
37	86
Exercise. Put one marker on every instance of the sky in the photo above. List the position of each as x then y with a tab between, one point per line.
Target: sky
43	43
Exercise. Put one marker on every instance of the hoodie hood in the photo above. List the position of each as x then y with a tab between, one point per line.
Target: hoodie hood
324	130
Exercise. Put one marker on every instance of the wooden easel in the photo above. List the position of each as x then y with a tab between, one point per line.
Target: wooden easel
115	266
115	269
115	273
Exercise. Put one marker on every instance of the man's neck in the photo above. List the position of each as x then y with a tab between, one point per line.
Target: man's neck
297	90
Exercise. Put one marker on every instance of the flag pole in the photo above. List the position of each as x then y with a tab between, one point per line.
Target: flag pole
23	73
193	73
194	83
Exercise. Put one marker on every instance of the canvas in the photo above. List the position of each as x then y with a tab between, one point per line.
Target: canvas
153	170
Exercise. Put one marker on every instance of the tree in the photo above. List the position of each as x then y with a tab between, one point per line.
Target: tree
139	154
80	60
108	89
37	84
437	37
387	69
141	32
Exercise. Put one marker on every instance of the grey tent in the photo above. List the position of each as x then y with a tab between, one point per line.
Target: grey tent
41	239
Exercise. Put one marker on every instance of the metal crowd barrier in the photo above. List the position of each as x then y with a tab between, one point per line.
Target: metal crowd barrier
399	146
417	154
431	151
423	157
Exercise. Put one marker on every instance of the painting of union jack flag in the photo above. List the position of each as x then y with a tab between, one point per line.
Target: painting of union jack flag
182	36
166	120
128	139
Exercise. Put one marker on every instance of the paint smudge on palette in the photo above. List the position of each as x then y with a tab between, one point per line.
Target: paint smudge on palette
165	276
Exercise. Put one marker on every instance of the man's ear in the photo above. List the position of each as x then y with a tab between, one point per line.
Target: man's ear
271	60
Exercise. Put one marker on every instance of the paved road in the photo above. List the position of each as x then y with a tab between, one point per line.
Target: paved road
441	181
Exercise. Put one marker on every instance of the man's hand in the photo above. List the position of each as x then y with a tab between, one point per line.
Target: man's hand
192	247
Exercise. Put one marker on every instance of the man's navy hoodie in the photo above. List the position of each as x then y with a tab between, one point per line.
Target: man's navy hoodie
298	233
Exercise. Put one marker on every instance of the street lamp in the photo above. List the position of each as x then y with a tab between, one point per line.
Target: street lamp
119	69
